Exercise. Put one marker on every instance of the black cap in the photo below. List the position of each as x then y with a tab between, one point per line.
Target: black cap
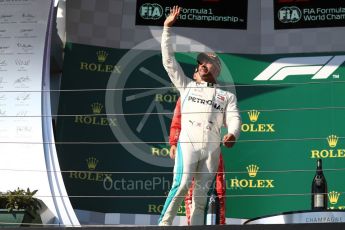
210	57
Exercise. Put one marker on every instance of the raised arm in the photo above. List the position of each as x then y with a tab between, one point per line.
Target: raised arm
171	19
232	121
170	64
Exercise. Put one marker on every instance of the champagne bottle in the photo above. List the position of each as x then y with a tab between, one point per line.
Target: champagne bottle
213	212
319	199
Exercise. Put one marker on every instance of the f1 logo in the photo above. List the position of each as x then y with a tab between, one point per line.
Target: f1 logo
321	67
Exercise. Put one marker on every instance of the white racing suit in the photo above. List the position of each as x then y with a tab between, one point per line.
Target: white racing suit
204	108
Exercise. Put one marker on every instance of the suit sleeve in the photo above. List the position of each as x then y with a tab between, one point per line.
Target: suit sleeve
175	127
233	120
170	64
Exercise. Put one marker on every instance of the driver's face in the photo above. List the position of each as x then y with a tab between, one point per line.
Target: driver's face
207	69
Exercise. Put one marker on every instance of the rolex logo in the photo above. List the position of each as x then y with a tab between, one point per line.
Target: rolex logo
253	115
254	127
101	56
96	108
332	140
333	197
252	183
91	163
252	170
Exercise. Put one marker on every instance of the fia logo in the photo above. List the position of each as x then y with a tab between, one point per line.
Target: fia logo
151	11
290	14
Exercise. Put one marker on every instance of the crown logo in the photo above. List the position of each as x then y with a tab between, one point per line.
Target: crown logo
96	108
332	141
101	56
333	197
253	115
91	163
252	170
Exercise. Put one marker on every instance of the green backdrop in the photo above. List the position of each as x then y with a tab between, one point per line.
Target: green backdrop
116	107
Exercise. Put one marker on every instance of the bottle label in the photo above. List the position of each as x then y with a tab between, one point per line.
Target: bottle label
211	219
318	200
318	180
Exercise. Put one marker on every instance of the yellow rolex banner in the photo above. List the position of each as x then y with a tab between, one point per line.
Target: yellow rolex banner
115	113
